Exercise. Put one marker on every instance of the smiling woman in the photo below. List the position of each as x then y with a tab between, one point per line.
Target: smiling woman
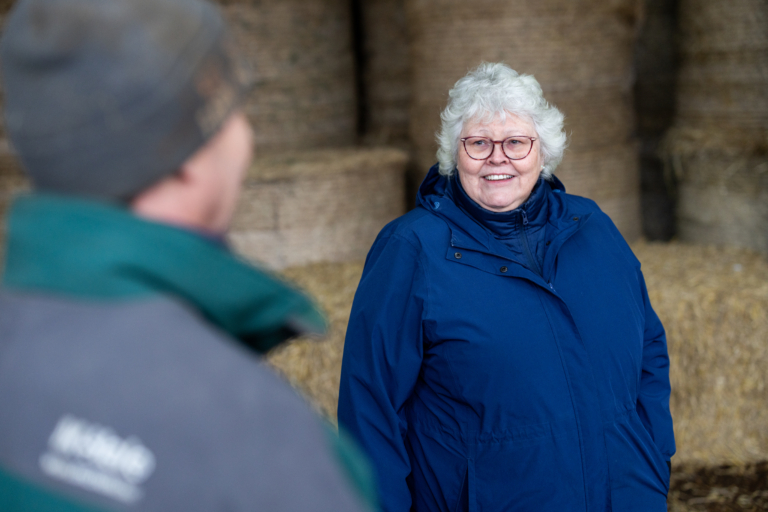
502	353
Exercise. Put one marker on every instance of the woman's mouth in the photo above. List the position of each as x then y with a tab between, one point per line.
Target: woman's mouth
497	177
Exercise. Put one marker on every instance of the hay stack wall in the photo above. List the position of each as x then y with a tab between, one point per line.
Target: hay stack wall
719	145
301	51
581	51
386	71
322	205
311	195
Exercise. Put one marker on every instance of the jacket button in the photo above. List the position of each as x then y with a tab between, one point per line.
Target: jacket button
503	269
575	218
458	255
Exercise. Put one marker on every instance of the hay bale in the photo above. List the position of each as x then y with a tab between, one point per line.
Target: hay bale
714	305
386	73
656	69
718	147
312	366
580	51
324	205
301	51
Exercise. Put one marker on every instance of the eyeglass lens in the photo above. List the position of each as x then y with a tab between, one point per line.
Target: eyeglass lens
514	148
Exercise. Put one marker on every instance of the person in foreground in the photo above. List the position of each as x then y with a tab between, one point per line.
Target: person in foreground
129	376
502	353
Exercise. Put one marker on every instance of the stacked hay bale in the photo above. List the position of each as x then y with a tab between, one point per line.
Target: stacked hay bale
656	68
713	302
580	51
311	196
314	367
323	205
386	71
301	51
718	147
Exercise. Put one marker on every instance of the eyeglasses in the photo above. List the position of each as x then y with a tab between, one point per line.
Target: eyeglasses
516	147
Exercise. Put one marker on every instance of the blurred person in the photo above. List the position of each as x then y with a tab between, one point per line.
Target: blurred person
502	353
129	378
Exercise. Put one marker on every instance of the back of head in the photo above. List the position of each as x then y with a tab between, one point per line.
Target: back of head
103	98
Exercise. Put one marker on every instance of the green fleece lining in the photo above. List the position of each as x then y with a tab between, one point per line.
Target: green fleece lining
17	495
100	251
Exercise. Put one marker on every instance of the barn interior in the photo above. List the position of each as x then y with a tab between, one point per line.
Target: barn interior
666	105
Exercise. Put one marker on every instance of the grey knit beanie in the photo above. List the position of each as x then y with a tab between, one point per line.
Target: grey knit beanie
103	98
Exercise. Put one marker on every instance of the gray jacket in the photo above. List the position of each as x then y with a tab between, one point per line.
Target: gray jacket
141	402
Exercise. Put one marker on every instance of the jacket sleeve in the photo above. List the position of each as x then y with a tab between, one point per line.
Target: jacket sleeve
653	396
382	359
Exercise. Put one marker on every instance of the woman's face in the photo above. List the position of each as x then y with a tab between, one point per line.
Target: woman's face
498	183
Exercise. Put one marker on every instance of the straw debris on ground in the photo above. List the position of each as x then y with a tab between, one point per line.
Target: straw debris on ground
719	489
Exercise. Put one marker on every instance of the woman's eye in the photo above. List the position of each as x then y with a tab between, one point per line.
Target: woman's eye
480	142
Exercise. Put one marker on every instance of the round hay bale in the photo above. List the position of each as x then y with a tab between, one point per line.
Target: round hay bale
581	53
323	205
301	53
718	147
386	73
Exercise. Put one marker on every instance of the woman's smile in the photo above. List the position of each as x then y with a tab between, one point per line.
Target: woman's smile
497	177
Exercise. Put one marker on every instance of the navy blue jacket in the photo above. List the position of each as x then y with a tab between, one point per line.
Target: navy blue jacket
478	383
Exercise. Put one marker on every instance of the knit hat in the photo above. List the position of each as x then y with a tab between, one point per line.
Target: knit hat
103	98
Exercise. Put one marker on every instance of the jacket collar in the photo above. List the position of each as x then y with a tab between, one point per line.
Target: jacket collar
102	252
532	213
435	196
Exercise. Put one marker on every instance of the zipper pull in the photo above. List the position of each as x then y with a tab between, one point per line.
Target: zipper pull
525	218
550	286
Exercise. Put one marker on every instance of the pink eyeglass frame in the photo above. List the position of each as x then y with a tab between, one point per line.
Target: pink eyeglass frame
464	143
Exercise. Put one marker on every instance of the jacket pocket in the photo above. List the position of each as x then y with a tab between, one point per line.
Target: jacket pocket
467	501
638	472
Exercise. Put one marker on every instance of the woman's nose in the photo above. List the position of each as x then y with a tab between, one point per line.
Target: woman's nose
497	154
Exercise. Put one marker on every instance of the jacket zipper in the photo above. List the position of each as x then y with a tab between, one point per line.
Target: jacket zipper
531	261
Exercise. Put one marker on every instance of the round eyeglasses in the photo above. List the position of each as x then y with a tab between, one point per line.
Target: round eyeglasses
516	147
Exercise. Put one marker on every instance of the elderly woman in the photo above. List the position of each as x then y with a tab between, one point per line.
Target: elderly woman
502	353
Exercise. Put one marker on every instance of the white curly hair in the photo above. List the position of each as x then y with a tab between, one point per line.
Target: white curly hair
493	90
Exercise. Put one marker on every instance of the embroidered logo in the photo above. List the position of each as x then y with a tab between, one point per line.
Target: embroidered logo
95	458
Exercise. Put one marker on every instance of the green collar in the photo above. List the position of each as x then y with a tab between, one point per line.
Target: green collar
100	251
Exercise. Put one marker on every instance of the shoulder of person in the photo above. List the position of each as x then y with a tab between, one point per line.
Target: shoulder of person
417	227
208	418
600	223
